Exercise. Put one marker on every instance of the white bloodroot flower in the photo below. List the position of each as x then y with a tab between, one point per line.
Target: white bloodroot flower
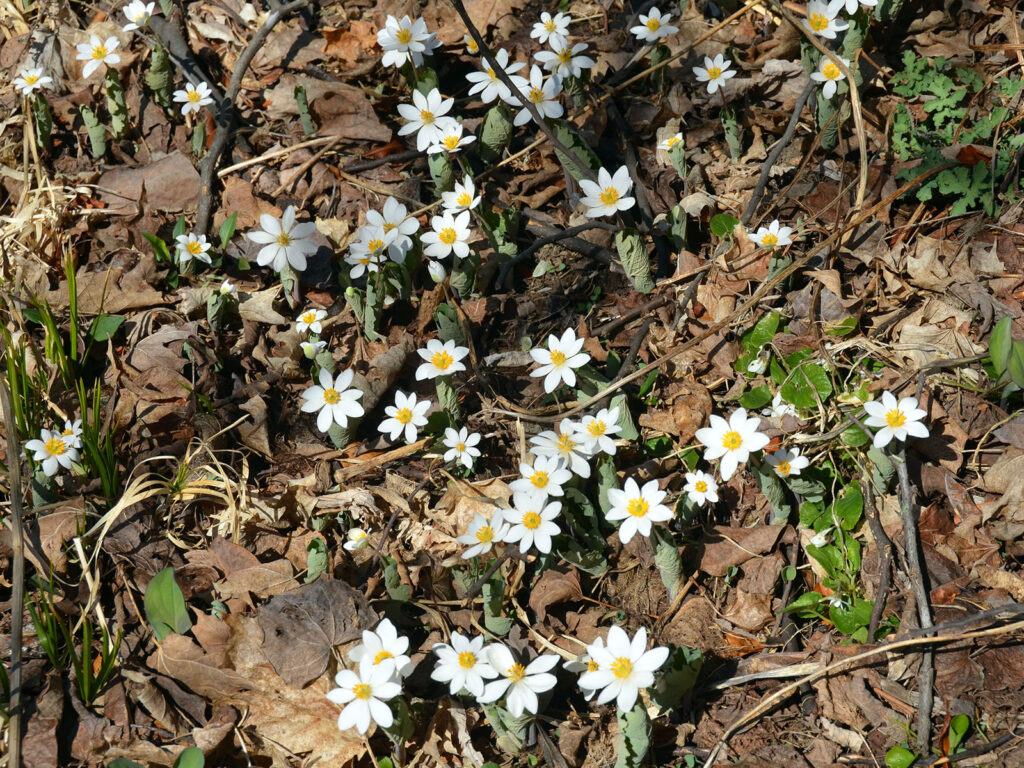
566	444
407	415
357	538
542	94
788	463
470	43
461	446
463	196
779	408
638	508
829	75
310	320
405	40
584	663
773	236
671	143
227	288
450	235
441	359
194	97
363	693
463	664
192	246
852	5
821	18
546	477
394	216
624	667
366	252
483	534
52	452
732	441
450	138
384	645
532	521
896	419
565	61
138	14
701	488
597	430
519	684
97	52
310	349
654	26
28	80
608	195
559	359
334	400
72	433
284	241
436	270
552	29
715	72
422	117
486	82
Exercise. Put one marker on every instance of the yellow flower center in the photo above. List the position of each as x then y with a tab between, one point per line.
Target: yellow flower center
464	199
387	226
451	142
732	440
404	36
67	433
447	236
701	486
485	534
460	447
593	666
637	507
375	244
895	418
471	46
404	415
194	96
770	240
516	673
818	21
426	116
609	195
783	467
308	317
381	656
539	479
558	358
531	521
673	141
549	25
536	95
331	396
492	75
596	428
565	56
442	360
566	443
194	247
31	79
284	239
653	25
714	72
362	691
467	660
831	71
99	52
621	667
55	446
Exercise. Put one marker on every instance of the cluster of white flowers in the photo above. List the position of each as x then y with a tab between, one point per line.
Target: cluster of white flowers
382	663
57	448
386	234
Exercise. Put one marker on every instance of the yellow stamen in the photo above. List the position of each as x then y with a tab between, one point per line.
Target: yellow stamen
783	467
447	236
831	71
714	73
404	36
558	358
426	116
818	21
531	521
55	446
621	667
485	534
362	691
539	479
404	415
653	25
701	486
770	240
467	660
895	418
99	52
442	360
331	396
464	199
381	656
609	196
284	239
516	673
732	440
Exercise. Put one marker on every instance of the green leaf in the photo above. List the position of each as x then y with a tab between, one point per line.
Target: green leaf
571	138
627	428
806	604
308	126
634	737
844	327
96	130
1015	365
670	565
854	437
848	507
606	480
393	582
116	104
191	757
227	230
316	560
495	134
180	226
634	258
160	75
198	142
448	326
758	397
44	121
159	248
810	513
762	333
900	757
165	605
803	383
722	224
104	327
773	490
959	725
442	173
493	594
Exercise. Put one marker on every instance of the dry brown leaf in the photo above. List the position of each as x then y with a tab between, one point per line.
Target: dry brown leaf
168	185
554	587
734	546
181	659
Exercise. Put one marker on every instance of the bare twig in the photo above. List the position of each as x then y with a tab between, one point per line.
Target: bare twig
226	114
780	145
17	571
919	579
884	546
540	242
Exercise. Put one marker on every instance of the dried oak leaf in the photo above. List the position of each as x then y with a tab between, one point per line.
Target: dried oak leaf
735	546
555	587
181	659
301	626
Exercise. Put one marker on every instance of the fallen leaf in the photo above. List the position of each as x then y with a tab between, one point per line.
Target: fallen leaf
171	185
730	546
181	659
554	587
